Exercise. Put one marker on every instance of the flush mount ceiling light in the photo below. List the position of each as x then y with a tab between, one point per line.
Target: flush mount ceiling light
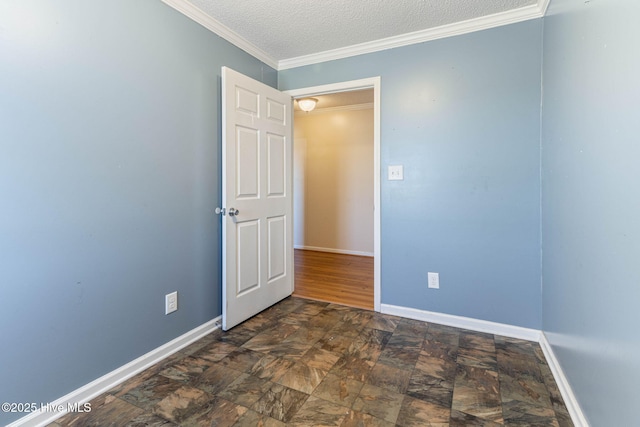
307	104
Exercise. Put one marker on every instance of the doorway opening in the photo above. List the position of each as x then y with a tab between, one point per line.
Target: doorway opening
337	194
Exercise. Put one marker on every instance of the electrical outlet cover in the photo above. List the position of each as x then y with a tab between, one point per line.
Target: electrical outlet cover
171	302
433	280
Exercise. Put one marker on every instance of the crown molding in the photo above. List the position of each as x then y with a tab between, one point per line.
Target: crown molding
485	22
534	11
215	26
352	107
543	5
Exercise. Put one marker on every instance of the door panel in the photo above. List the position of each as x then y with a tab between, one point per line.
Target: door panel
277	244
248	249
276	111
257	248
247	101
277	165
248	163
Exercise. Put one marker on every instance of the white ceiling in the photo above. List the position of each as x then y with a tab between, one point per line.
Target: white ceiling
362	97
288	33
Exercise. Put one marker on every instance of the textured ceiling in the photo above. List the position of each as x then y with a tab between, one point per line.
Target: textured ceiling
287	29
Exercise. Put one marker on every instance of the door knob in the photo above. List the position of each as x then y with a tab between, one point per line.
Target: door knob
234	212
222	211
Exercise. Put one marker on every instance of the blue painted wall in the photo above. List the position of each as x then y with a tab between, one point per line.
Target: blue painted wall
109	175
591	202
110	171
463	116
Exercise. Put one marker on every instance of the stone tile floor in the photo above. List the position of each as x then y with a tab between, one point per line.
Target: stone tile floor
307	363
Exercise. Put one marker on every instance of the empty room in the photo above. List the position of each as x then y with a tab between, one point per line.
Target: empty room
153	207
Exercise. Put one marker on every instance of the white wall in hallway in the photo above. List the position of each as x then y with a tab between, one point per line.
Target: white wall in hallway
334	165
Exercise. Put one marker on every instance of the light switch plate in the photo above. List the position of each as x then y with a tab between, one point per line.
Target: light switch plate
396	173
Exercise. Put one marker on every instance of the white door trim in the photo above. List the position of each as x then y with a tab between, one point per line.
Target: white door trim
368	83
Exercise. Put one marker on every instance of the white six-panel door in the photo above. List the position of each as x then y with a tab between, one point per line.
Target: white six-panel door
257	243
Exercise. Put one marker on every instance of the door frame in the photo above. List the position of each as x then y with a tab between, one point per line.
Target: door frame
348	86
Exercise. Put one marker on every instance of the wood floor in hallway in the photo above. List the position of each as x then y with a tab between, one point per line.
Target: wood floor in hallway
337	278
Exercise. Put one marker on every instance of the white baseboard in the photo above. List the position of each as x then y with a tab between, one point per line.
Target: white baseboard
335	251
123	373
577	416
463	322
117	376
